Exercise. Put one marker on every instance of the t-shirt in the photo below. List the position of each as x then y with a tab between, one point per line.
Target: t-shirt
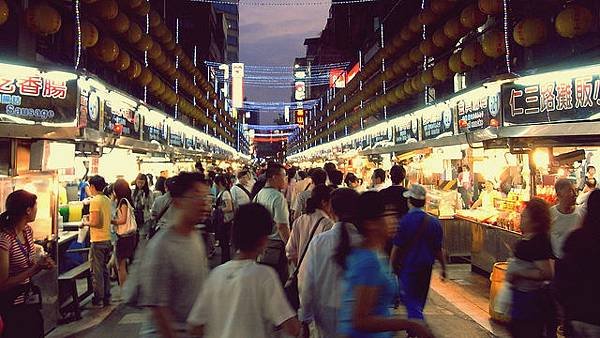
103	206
240	197
537	248
241	299
562	226
275	202
301	200
422	255
366	267
487	199
161	203
393	195
82	193
172	273
17	260
223	198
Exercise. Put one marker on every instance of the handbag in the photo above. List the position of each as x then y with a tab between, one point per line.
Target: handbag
272	254
291	285
130	225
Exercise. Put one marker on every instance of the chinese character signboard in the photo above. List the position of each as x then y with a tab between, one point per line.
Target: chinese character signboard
176	138
477	110
237	84
118	109
552	99
155	126
300	118
89	106
406	130
337	78
27	93
437	122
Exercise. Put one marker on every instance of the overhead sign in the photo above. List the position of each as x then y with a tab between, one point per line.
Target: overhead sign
477	110
155	127
406	130
353	72
299	90
568	96
237	85
437	122
337	78
300	118
120	109
30	94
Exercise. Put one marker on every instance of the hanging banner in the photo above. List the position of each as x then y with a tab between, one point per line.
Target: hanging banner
155	126
478	109
406	130
437	122
337	78
568	96
353	72
122	110
300	118
30	94
237	85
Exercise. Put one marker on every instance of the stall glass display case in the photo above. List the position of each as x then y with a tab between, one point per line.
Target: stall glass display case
442	203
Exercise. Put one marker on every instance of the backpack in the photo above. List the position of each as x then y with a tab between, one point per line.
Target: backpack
130	225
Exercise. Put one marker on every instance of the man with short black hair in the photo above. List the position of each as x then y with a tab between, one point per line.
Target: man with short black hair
378	180
393	195
566	216
318	176
417	244
241	191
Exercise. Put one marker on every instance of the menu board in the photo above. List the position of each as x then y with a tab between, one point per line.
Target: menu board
406	130
477	111
176	139
27	93
117	110
437	122
155	129
189	142
552	99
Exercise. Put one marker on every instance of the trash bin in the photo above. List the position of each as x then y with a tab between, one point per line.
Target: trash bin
497	278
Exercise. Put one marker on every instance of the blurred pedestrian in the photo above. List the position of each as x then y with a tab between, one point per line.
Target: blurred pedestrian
223	216
19	262
174	265
291	175
241	192
161	212
417	244
142	200
336	179
319	282
577	279
532	310
159	187
126	240
242	298
369	286
378	180
318	176
352	181
316	220
101	248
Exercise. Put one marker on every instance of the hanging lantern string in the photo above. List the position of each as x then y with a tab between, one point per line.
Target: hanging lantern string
285	3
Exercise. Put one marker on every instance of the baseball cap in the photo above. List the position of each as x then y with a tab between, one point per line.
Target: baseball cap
416	191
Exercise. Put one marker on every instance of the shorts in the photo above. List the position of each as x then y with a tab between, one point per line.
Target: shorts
126	246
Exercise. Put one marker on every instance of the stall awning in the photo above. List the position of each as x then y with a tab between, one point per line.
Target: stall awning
38	131
404	148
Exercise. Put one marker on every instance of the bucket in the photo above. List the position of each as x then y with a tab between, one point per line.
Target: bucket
63	210
497	278
75	211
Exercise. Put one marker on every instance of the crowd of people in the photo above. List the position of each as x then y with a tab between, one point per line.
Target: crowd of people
301	255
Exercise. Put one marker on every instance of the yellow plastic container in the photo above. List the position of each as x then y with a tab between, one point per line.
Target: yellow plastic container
75	211
497	278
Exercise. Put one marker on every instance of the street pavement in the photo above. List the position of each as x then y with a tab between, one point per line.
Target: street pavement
456	308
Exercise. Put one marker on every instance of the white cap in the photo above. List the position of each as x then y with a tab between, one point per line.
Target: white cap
416	191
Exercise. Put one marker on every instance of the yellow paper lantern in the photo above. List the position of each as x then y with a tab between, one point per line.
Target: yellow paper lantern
454	29
490	7
4	12
155	51
441	71
406	34
120	24
134	34
471	17
397	42
106	49
130	4
493	44
416	83
455	63
178	51
154	84
160	30
154	19
575	20
143	9
399	93
441	6
89	34
122	62
427	17
134	70
440	39
42	19
405	62
89	1
530	31
166	38
414	25
397	68
428	48
162	58
170	46
427	77
145	77
415	55
105	9
145	43
472	55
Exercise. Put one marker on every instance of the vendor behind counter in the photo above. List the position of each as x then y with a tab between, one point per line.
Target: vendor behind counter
487	197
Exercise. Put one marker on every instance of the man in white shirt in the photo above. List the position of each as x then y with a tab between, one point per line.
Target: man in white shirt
566	217
319	282
242	298
241	191
378	180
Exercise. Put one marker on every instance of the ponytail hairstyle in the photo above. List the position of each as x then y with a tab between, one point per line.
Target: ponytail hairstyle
320	194
343	203
17	204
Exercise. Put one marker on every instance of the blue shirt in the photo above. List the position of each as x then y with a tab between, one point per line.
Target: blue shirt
82	194
365	267
422	254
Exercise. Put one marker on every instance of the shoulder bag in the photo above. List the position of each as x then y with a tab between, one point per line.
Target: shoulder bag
130	225
291	285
